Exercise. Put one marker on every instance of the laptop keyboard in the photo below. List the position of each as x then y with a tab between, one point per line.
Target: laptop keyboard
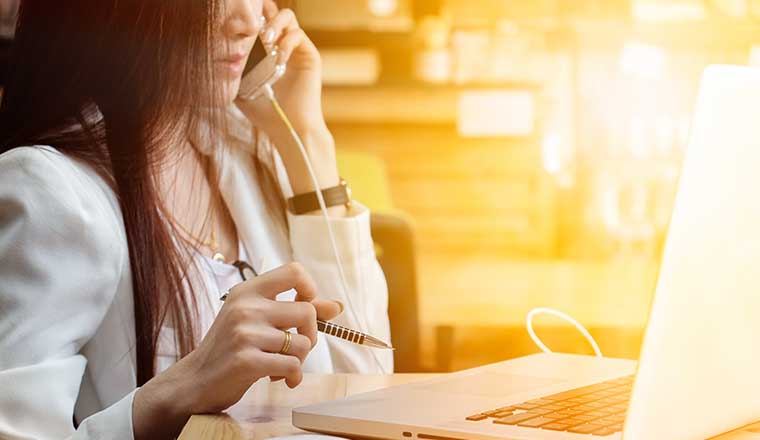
597	409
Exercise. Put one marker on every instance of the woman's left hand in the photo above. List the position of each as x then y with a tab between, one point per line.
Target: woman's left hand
299	93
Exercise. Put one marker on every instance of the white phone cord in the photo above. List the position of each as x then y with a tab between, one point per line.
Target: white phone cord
323	207
557	313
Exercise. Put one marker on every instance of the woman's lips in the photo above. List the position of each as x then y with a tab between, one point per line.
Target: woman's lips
233	64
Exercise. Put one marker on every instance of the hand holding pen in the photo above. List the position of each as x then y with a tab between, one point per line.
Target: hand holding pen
246	342
356	337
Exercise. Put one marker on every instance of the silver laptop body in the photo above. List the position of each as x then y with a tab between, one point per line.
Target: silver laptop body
699	370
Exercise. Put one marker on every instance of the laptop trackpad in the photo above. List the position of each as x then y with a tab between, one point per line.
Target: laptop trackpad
489	384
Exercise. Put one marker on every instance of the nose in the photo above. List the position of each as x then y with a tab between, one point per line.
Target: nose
242	18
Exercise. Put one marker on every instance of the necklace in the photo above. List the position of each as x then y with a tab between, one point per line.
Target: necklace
213	244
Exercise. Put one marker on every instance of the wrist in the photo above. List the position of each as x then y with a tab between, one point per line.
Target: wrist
337	201
162	406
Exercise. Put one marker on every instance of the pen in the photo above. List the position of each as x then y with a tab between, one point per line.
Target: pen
344	333
351	335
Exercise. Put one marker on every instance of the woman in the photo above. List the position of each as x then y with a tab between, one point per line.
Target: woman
128	169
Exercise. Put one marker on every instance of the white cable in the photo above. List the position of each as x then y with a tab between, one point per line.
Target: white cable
548	311
323	207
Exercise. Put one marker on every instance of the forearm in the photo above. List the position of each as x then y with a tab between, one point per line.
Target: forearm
320	147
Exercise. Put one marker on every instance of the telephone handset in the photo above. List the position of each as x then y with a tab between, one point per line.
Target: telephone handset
265	72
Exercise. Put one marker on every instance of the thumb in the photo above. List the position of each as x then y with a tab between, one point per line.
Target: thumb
326	309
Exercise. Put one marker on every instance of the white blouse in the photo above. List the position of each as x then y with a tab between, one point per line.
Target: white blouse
67	338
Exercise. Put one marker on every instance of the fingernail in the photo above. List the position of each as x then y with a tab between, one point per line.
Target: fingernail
342	307
269	36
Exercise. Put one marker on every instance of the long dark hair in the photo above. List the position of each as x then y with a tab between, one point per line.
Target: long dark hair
131	76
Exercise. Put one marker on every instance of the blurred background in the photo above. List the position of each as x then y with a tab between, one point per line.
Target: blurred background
516	154
534	148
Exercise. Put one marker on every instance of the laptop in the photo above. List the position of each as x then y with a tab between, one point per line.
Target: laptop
699	370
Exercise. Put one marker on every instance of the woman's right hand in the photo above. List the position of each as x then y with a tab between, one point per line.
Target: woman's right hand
241	347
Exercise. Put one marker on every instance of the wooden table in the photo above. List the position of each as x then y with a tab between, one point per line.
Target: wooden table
265	410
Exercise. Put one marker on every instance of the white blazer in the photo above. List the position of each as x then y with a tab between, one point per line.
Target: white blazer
67	339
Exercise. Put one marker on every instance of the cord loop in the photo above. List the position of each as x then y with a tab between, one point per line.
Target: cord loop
557	313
